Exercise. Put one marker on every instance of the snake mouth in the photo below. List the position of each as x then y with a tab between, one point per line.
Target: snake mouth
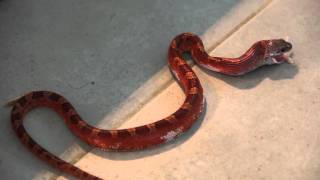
281	56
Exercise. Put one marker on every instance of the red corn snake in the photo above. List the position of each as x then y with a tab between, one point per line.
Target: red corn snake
261	53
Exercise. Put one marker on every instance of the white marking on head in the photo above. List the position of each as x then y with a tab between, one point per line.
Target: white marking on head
271	60
274	61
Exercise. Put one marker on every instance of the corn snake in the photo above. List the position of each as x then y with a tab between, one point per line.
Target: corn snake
261	53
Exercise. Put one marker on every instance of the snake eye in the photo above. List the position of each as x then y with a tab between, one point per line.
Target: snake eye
286	47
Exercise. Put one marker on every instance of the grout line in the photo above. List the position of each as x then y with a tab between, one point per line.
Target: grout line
241	24
168	83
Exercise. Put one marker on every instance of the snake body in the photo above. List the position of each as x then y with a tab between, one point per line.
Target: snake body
261	53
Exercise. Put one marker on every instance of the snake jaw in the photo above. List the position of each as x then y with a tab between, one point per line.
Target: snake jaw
278	59
281	58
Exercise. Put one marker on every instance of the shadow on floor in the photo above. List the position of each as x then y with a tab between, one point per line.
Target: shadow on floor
252	79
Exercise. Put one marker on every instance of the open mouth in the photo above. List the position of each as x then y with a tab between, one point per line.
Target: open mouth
282	57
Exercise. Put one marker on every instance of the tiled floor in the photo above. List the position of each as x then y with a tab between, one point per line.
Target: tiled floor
263	125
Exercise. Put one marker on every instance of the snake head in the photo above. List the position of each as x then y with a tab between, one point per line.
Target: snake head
276	51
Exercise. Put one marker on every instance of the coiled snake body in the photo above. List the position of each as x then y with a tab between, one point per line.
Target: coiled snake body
261	53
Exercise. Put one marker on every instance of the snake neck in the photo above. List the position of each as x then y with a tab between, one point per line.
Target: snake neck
250	60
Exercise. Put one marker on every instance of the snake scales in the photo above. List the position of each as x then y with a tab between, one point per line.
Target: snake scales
261	53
